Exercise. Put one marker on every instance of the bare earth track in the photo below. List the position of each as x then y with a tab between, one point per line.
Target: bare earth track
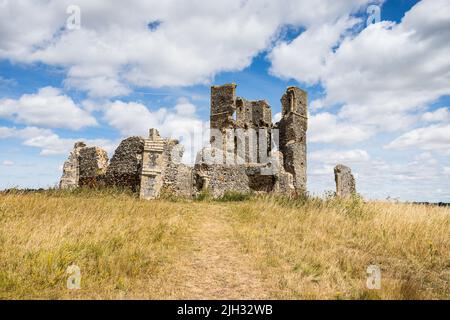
217	268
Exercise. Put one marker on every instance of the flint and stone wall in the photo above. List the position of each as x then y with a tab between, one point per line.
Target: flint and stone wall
93	162
124	170
243	135
85	167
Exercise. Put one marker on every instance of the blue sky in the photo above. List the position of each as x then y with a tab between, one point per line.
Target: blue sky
379	94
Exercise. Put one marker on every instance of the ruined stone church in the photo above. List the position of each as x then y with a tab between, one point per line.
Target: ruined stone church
247	153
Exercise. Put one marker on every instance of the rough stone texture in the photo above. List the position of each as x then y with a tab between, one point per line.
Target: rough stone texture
284	183
256	116
345	182
85	167
293	126
253	114
223	106
233	117
178	180
93	162
177	176
218	179
71	175
125	167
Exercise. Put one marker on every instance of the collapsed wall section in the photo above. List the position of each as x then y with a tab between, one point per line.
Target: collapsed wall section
253	114
218	179
85	167
71	173
93	162
237	122
124	170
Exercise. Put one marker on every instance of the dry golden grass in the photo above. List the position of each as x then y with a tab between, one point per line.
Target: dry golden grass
321	249
261	247
124	247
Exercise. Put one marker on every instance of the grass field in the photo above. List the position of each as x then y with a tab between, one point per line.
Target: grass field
260	247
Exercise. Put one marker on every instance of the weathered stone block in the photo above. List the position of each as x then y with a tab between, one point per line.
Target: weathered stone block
345	182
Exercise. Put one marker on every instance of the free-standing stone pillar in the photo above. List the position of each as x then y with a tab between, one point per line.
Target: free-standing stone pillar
345	182
293	126
152	166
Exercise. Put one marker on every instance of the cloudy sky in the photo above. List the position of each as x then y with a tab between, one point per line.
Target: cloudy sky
379	93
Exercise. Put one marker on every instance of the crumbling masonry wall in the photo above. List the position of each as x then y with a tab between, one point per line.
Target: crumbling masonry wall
93	162
177	176
71	171
244	146
242	134
85	167
223	106
124	170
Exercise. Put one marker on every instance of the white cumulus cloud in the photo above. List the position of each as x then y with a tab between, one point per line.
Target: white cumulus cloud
180	122
49	142
439	115
434	137
327	128
48	107
189	43
331	156
382	76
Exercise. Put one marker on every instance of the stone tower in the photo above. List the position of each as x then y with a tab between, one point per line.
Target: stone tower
293	126
223	108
